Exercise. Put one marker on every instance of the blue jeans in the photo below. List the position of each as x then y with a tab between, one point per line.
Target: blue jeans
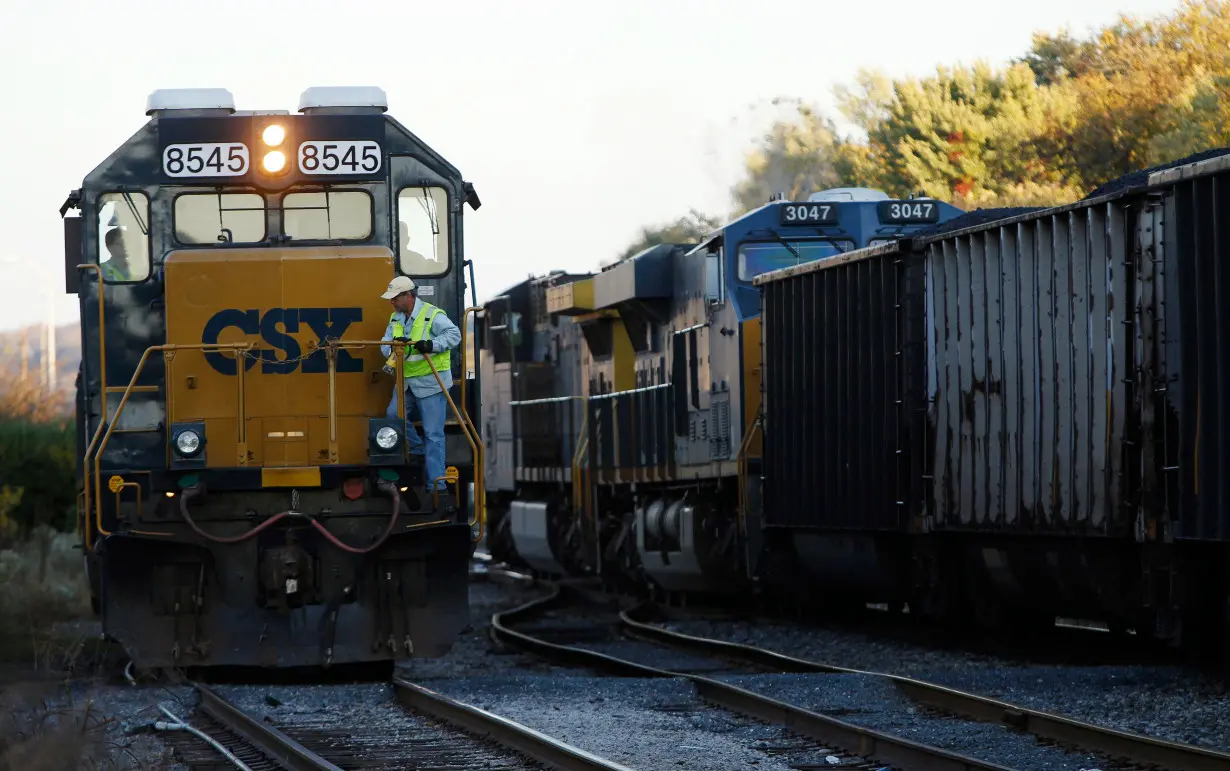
431	410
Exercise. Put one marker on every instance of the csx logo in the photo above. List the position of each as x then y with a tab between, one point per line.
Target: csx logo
275	328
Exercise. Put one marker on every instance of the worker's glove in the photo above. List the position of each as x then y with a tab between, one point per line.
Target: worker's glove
423	346
401	340
387	369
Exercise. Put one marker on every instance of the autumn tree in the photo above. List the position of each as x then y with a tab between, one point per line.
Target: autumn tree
1044	129
1149	92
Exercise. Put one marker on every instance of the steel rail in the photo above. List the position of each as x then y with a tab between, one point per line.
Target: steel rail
855	739
507	733
292	755
276	745
1087	736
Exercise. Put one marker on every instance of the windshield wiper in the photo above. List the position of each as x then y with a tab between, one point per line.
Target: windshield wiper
136	215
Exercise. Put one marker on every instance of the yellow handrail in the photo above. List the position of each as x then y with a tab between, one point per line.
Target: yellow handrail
465	317
463	416
480	491
747	441
119	410
472	436
471	433
119	489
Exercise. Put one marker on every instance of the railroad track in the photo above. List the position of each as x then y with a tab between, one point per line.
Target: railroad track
1122	750
221	735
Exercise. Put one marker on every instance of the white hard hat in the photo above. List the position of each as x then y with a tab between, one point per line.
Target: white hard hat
398	286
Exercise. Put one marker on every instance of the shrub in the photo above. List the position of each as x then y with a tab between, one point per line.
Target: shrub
44	593
37	474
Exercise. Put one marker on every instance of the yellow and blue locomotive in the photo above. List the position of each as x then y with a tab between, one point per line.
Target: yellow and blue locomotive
622	408
243	499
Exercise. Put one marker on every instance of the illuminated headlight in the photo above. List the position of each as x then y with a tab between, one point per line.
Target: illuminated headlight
188	442
273	135
386	438
274	161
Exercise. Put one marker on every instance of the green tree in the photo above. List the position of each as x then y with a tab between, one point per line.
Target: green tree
966	134
688	229
796	158
1055	58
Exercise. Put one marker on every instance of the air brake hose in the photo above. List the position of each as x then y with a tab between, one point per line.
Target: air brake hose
384	485
194	491
387	487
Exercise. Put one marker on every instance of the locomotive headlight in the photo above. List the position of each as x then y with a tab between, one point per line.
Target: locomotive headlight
386	438
384	441
274	161
188	442
187	445
273	135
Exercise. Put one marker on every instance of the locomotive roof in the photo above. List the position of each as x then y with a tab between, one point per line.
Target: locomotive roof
230	147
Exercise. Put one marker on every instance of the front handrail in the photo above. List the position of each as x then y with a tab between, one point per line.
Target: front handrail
119	410
743	447
471	433
331	346
476	447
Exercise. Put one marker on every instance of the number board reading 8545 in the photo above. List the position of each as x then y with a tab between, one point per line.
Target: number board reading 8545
808	214
339	157
208	159
908	212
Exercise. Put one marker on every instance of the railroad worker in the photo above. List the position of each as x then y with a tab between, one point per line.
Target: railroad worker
428	333
116	268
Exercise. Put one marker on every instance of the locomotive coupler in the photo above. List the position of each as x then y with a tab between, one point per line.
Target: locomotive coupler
286	573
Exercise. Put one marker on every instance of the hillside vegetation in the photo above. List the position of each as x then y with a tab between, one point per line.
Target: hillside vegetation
1044	129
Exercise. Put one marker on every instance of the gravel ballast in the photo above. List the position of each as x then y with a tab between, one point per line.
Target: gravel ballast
875	703
645	724
1167	702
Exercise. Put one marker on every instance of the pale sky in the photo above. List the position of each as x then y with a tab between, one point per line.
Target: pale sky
577	122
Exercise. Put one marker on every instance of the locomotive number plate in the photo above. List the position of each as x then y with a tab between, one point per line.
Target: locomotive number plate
325	157
808	213
908	212
219	159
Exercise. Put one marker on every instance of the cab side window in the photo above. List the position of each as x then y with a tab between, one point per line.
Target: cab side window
123	237
422	231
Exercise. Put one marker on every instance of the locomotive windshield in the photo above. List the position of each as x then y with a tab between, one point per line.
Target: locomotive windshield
239	218
331	215
213	218
762	257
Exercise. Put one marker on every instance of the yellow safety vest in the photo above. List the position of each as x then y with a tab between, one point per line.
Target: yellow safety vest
416	363
111	273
